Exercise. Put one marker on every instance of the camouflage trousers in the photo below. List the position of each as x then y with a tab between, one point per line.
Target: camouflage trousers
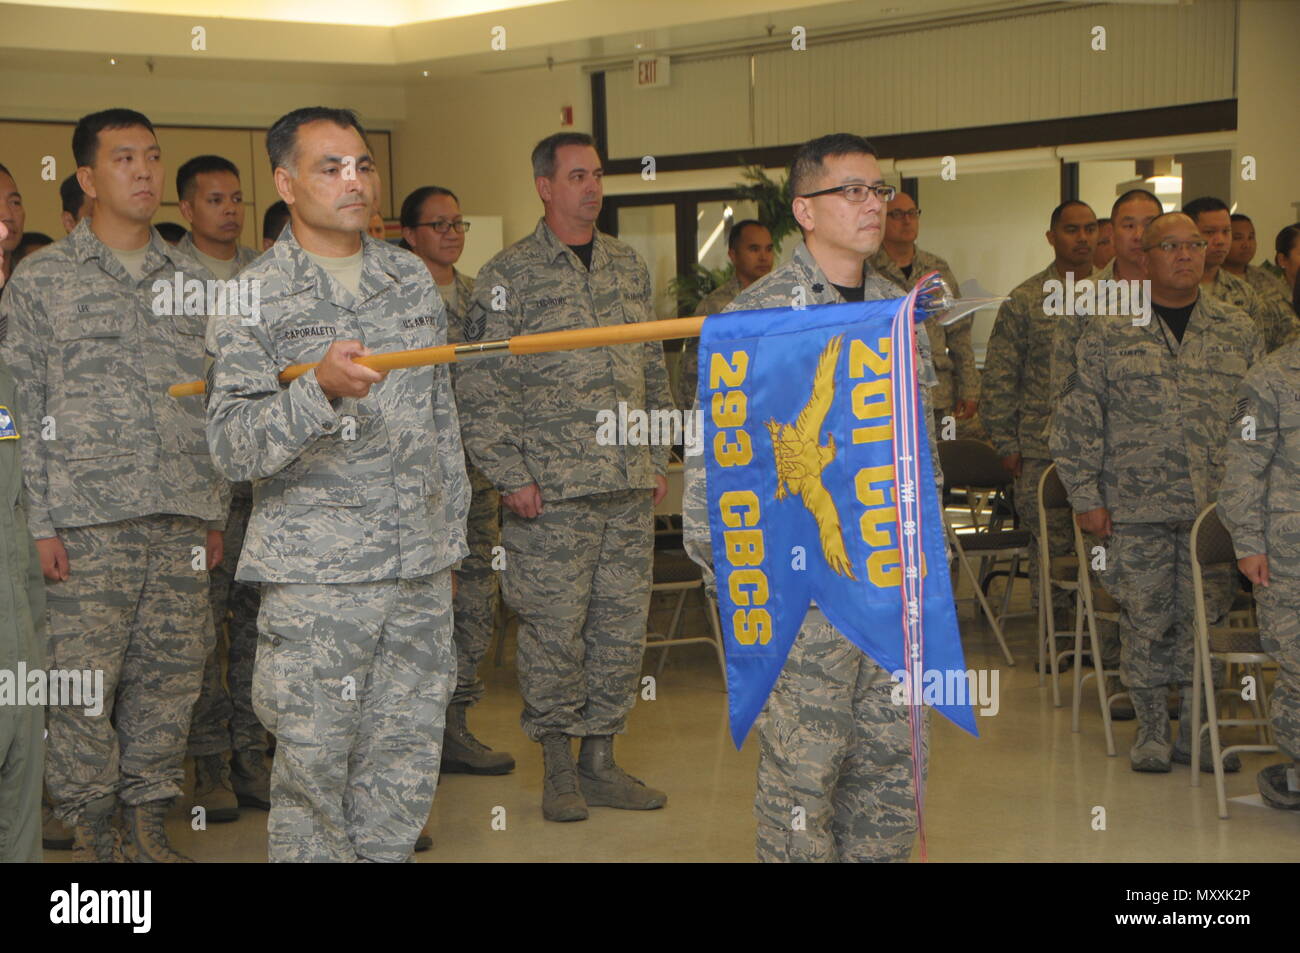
1149	573
224	719
22	754
1107	630
134	607
1060	533
477	594
353	679
578	577
834	744
1278	605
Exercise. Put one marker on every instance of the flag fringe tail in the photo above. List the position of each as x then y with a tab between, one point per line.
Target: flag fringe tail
907	491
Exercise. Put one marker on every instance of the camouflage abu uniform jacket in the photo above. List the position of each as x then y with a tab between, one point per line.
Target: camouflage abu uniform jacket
1141	425
954	357
533	418
1271	314
93	363
1017	371
349	490
712	303
243	258
776	290
456	311
1066	331
1260	499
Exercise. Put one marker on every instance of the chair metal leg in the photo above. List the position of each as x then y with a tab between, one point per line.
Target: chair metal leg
1078	662
673	626
711	608
984	603
1011	581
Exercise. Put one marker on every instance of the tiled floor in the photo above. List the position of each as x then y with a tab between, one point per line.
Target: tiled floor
1025	790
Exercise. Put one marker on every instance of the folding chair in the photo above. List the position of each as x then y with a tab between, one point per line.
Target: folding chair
974	466
1071	574
1211	545
674	571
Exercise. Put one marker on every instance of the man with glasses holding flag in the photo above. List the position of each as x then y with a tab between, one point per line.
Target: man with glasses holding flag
835	766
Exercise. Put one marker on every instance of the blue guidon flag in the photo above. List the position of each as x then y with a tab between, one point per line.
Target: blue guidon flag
821	488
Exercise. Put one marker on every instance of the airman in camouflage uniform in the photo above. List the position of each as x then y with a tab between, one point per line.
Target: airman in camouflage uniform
359	503
1017	405
121	481
712	303
1260	506
477	592
752	253
1272	315
22	641
224	723
1066	331
1264	282
578	527
1018	386
1139	439
832	742
954	358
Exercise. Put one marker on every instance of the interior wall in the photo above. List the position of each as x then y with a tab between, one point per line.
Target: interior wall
474	135
1015	68
1097	181
989	226
1267	129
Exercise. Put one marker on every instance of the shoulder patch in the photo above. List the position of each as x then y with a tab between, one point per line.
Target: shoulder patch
8	429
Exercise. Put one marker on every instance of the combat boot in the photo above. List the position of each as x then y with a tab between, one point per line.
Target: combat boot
605	784
212	790
146	838
561	800
1183	747
462	753
425	840
1275	788
1151	749
250	777
1121	709
95	838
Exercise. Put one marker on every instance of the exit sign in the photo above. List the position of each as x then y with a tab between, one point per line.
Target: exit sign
650	71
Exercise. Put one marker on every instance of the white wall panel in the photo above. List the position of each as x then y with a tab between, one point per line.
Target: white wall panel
1014	69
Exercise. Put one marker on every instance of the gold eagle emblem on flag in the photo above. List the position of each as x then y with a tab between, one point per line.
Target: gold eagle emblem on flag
800	459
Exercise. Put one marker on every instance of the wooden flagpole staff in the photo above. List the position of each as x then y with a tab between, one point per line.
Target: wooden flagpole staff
554	341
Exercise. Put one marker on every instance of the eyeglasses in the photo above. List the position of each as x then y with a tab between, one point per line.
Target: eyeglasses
899	214
441	227
857	194
1169	247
